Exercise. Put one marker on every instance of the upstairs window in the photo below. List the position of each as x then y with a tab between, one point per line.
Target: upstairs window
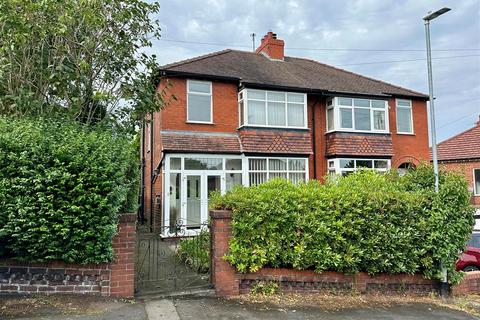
404	116
199	101
273	109
364	115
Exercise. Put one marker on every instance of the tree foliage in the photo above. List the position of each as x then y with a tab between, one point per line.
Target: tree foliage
362	222
62	186
85	59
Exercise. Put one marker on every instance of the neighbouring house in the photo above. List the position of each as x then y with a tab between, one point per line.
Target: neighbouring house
461	153
246	117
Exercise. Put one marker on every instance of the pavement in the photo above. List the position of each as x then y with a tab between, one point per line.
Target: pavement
210	308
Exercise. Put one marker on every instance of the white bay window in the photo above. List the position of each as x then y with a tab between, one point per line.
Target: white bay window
272	109
363	115
345	166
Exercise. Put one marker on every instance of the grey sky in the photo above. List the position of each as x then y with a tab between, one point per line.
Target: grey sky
359	24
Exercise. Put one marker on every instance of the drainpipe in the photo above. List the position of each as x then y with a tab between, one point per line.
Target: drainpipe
141	216
151	171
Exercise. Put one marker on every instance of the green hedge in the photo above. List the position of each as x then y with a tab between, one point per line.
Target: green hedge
62	186
363	222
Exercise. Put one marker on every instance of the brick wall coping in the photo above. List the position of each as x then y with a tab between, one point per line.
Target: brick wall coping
56	264
221	214
127	217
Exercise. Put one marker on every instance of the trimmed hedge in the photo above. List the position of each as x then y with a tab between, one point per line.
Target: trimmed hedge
363	222
62	186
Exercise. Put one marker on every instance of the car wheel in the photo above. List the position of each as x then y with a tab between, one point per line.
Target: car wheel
470	268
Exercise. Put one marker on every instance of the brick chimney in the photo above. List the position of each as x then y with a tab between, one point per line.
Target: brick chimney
478	122
272	47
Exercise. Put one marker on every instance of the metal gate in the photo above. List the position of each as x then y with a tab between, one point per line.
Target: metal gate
172	259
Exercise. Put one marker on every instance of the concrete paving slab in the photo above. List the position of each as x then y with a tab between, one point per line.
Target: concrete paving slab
220	309
161	310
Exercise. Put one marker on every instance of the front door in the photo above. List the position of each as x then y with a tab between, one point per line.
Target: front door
197	189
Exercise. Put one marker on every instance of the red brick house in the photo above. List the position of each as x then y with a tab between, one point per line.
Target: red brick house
246	117
462	153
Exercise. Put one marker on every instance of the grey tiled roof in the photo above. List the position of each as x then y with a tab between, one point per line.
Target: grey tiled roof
304	74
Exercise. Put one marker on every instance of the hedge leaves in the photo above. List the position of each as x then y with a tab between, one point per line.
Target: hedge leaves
62	186
362	222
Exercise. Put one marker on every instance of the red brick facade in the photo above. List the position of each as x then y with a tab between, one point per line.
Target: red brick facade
228	282
224	134
114	279
313	142
465	168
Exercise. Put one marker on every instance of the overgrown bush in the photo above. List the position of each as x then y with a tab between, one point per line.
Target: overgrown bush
195	252
363	222
62	186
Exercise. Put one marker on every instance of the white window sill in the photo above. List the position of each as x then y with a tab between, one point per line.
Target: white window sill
406	133
272	127
199	122
357	131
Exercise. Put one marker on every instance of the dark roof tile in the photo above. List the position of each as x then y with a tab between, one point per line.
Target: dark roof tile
255	69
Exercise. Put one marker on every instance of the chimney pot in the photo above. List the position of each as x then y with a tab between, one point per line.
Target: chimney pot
271	47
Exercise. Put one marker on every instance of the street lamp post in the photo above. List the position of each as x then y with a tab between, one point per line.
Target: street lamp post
430	16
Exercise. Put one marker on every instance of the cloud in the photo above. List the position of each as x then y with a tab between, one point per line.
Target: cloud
368	24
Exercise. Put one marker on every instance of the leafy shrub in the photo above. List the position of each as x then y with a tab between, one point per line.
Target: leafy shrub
195	252
62	186
363	222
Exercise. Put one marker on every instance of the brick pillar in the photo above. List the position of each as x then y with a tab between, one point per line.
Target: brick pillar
122	281
224	276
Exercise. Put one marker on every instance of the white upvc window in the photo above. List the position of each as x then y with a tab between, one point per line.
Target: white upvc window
276	109
357	115
261	170
199	101
345	166
476	182
404	117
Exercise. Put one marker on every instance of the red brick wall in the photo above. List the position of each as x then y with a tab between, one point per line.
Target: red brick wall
470	284
410	148
228	282
225	108
464	168
114	279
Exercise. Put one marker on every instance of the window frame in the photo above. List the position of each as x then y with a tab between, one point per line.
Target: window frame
476	192
336	115
268	171
200	94
243	97
411	115
333	165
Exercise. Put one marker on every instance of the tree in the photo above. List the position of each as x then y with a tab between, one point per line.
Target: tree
85	59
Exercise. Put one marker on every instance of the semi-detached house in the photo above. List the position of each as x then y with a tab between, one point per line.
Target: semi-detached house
247	117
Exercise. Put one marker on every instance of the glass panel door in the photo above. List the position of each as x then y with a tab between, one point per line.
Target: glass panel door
213	184
193	217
